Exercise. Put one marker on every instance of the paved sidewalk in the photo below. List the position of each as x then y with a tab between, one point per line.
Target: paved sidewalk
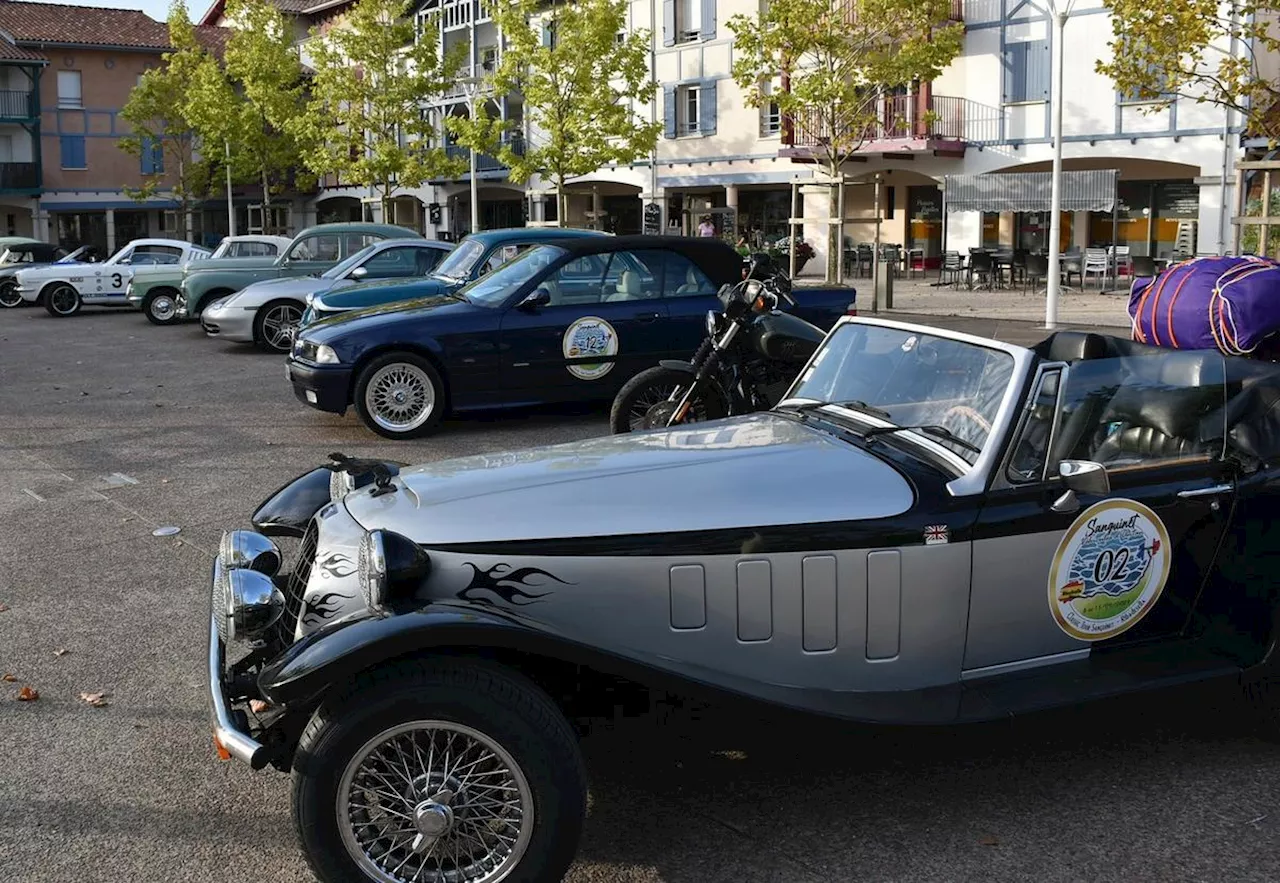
918	296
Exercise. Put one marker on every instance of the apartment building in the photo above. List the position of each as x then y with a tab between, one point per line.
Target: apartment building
1158	185
65	74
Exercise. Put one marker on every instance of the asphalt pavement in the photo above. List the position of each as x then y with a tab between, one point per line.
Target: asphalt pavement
111	428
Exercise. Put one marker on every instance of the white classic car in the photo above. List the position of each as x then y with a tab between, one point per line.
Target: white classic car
65	288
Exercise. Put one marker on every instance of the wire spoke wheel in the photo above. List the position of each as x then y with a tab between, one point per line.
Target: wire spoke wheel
400	397
434	802
654	405
278	324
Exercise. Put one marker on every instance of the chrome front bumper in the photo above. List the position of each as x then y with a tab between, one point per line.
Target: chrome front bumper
229	737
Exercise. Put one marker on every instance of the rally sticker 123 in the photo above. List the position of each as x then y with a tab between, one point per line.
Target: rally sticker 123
1109	570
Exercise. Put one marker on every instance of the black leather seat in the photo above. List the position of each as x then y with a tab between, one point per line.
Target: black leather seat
1072	346
1170	419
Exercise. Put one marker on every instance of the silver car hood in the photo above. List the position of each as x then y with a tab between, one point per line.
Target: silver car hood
744	472
297	287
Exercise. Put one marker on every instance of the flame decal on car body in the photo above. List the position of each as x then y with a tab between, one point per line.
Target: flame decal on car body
321	607
336	564
507	586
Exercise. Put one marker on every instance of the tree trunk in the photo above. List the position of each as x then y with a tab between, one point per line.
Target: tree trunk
561	203
184	204
266	203
835	241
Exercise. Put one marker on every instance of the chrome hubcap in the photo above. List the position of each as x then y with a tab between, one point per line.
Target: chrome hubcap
435	801
162	308
400	397
278	325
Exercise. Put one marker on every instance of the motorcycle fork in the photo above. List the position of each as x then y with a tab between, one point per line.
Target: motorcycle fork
686	401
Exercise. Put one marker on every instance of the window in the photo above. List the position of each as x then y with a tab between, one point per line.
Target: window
69	89
392	263
688	123
323	247
252	250
682	278
72	149
489	59
770	115
1026	72
353	242
606	278
1030	454
501	255
1142	411
152	157
156	254
684	21
1163	93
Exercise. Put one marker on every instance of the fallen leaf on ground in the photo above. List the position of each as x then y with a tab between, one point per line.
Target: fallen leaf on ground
61	651
97	700
3	607
9	679
26	694
257	706
988	841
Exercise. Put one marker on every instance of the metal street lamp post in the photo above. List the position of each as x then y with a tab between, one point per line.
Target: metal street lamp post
472	87
1054	282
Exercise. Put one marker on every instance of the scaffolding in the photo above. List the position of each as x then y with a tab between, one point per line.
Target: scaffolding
1246	171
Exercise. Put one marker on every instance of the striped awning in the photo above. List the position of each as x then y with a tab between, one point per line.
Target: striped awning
1090	191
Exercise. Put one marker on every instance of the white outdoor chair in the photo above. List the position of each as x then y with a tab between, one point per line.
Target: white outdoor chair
1095	261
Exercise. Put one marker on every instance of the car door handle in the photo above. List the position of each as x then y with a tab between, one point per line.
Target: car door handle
1214	491
647	317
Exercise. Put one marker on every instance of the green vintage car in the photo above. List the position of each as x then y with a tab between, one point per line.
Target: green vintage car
156	294
312	251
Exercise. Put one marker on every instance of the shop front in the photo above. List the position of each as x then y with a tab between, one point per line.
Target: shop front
1151	217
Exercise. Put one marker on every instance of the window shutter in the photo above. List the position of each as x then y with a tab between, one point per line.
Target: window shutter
1015	71
1038	70
546	33
669	110
707	107
72	147
708	19
668	22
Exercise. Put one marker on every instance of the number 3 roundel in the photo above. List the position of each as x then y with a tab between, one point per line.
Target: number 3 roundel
1109	569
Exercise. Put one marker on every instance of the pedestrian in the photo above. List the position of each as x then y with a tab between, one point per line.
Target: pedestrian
706	228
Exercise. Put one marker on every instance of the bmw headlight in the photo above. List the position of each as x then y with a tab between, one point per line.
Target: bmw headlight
391	566
316	353
325	355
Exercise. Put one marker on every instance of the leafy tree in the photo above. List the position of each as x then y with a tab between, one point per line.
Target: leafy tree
837	60
1183	49
578	82
364	117
247	105
159	127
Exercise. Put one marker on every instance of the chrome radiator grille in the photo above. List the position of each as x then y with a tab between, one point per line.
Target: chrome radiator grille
296	588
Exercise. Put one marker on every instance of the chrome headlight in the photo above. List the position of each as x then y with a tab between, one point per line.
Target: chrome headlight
391	566
250	550
713	322
317	353
254	604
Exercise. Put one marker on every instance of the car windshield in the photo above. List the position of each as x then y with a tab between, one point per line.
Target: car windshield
907	378
337	271
458	263
494	288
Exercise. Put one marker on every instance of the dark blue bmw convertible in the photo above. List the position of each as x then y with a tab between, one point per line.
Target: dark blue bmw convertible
566	321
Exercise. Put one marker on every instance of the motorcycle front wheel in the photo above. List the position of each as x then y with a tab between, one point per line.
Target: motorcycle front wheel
647	401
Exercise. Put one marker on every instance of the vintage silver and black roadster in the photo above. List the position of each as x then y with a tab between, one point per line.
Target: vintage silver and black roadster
929	528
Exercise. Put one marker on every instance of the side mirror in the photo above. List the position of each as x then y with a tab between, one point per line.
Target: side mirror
359	272
539	297
1085	476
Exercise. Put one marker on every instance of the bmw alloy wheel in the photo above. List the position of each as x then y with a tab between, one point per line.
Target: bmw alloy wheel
400	397
435	801
9	296
277	324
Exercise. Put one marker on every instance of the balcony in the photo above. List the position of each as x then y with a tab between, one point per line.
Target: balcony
485	162
850	11
18	104
907	125
16	177
458	14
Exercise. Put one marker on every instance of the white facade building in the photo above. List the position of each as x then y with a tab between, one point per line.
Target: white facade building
717	156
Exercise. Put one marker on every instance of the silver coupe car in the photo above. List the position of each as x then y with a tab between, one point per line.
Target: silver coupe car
928	528
267	312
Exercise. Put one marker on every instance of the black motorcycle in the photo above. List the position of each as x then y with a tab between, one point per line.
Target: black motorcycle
750	357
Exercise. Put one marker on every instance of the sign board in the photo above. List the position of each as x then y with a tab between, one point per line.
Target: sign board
1178	199
652	219
924	203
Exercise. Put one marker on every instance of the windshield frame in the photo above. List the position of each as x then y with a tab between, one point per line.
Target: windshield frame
463	247
971	478
558	255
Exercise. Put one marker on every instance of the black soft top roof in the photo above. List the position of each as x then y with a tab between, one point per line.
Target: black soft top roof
717	258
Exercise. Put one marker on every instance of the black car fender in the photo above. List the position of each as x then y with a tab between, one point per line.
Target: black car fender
426	347
291	506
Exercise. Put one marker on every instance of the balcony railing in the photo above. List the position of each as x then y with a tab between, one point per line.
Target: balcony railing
458	14
903	118
485	162
19	176
18	104
849	11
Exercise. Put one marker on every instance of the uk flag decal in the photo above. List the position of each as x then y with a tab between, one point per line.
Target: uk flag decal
936	533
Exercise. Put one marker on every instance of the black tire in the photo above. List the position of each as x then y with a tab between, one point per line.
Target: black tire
494	701
160	306
9	297
653	385
61	300
416	370
268	333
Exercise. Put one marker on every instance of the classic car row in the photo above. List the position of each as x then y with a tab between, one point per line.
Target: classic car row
928	527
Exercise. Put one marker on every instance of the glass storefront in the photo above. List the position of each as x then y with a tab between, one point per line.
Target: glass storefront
765	210
1149	216
924	220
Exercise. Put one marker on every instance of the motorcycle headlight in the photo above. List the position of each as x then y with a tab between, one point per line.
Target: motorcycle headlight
392	566
713	322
